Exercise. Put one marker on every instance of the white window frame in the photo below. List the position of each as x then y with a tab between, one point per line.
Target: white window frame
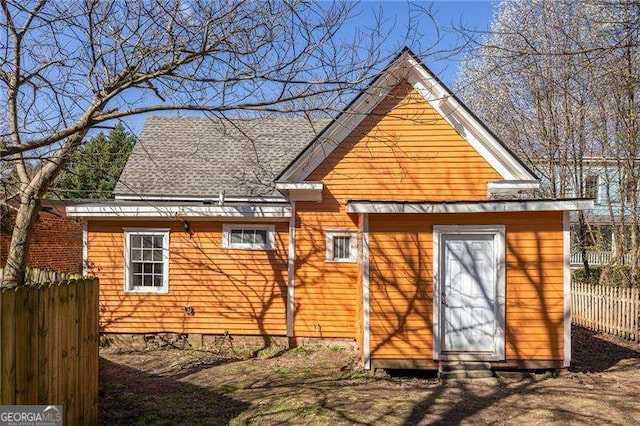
128	286
353	249
226	236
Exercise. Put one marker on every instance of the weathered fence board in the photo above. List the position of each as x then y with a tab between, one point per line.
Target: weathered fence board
612	310
49	345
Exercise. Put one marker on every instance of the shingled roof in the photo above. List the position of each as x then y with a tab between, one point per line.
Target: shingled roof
199	156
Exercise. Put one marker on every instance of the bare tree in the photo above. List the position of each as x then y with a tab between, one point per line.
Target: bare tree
558	80
67	67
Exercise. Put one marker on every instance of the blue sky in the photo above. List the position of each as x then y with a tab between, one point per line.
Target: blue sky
449	14
475	15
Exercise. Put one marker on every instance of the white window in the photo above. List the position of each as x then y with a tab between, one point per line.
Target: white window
342	246
146	257
248	237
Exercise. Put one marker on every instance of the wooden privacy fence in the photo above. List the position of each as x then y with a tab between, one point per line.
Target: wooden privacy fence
49	347
612	310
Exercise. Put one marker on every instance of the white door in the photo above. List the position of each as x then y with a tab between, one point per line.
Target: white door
468	293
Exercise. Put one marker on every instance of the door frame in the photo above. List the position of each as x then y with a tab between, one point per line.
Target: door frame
498	232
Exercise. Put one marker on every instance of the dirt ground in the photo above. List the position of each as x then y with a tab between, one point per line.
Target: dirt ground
324	386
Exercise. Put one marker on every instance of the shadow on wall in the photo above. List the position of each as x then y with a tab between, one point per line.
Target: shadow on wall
229	290
401	262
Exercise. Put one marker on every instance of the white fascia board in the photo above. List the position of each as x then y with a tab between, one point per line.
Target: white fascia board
506	185
213	198
473	207
305	186
566	285
301	191
339	129
466	125
406	67
151	211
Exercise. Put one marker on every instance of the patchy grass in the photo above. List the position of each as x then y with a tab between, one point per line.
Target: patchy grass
325	386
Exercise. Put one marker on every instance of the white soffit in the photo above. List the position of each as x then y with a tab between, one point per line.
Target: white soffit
441	99
504	185
305	186
468	207
301	191
172	212
197	198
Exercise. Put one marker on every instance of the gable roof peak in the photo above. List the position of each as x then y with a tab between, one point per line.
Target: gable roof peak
408	66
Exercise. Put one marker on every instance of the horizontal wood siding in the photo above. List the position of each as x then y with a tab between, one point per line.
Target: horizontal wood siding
235	291
401	256
325	292
402	151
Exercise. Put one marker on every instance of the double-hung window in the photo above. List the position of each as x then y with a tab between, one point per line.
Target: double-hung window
248	236
342	246
146	260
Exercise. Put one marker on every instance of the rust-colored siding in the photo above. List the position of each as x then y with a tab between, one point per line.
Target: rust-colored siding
401	286
234	291
402	151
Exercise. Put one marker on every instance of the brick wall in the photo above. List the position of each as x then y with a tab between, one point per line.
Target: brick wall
55	244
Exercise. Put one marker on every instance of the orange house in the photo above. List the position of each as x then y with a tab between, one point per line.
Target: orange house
404	224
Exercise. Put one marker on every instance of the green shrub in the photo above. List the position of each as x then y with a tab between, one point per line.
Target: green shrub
615	275
579	275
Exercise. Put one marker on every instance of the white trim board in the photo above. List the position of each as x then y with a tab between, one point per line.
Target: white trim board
201	198
308	186
467	207
366	316
407	67
498	232
301	191
291	271
566	237
510	185
85	247
179	211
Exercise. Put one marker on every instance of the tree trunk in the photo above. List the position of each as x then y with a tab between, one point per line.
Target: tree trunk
32	192
582	232
26	218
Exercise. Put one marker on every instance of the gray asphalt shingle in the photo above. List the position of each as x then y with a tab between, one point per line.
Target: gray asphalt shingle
200	156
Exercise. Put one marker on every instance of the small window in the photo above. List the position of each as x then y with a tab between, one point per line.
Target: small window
592	187
146	260
248	237
341	246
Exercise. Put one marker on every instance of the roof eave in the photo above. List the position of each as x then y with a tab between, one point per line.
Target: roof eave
490	206
159	211
488	144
